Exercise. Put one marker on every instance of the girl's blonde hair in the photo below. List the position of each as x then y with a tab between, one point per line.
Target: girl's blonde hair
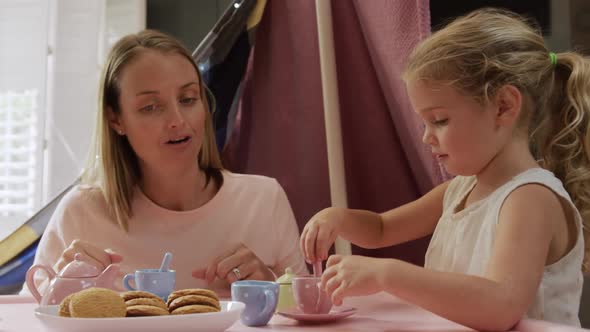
112	164
490	48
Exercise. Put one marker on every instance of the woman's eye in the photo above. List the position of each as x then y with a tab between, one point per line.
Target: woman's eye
148	108
188	101
441	122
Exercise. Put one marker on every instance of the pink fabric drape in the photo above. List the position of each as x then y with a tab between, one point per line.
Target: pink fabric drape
280	128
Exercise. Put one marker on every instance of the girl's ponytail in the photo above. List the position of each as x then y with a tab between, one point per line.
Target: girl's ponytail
561	137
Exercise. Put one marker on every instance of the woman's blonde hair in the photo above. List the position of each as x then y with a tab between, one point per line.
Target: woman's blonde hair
490	48
112	165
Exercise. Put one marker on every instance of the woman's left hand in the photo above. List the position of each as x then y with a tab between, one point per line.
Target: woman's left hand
351	276
238	263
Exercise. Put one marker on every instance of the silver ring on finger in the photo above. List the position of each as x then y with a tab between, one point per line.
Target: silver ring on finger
237	273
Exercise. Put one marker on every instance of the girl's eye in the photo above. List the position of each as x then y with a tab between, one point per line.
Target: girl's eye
188	101
441	122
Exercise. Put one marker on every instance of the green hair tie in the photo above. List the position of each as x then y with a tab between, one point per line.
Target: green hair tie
553	58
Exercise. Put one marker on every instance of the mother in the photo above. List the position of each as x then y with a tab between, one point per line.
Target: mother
155	183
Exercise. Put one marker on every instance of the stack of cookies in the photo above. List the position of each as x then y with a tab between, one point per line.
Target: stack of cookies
93	303
102	302
141	303
193	301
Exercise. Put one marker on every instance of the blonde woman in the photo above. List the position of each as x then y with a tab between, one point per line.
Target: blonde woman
155	182
511	120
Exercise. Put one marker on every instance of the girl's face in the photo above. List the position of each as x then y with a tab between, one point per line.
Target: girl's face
462	133
162	113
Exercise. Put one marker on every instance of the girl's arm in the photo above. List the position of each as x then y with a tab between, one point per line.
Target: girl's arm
499	299
372	230
407	222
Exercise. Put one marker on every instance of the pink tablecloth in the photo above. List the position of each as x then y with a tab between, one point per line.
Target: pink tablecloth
380	312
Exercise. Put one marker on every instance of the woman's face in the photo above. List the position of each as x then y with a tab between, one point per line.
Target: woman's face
162	113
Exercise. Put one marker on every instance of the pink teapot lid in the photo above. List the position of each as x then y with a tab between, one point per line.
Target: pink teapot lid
78	268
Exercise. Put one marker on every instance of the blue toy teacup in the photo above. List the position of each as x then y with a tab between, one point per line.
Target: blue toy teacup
158	282
260	298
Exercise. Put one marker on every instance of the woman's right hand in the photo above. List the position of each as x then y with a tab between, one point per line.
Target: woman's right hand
319	234
90	253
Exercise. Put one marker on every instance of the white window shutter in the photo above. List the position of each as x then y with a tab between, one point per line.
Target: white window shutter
23	76
84	31
51	55
73	79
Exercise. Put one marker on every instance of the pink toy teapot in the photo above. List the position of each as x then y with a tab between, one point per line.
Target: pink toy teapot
74	277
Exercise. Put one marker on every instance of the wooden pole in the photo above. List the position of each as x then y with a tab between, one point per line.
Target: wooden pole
332	113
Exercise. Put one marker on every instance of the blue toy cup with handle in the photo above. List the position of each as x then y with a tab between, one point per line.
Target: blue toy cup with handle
260	298
155	281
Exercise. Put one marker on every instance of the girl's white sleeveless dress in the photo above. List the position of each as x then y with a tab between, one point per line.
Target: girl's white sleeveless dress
462	242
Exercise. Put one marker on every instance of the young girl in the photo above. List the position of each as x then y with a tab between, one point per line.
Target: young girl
511	120
157	183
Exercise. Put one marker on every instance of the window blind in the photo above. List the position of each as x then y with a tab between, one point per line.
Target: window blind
18	152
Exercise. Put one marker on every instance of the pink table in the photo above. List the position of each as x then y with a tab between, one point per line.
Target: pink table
380	312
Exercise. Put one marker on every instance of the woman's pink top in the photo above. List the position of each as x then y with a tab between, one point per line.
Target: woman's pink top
249	209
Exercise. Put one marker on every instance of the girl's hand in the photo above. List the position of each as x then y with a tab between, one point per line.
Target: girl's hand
352	276
239	263
319	234
90	253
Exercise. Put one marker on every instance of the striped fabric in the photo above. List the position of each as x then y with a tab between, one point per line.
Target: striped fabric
26	235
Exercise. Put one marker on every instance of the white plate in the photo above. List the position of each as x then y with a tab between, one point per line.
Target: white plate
215	321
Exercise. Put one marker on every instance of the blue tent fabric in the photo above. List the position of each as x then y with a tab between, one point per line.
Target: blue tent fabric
32	229
12	274
222	58
224	80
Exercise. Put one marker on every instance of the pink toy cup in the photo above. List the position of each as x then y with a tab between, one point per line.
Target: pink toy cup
309	297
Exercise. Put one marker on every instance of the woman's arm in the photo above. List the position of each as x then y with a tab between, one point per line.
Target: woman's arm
60	241
277	238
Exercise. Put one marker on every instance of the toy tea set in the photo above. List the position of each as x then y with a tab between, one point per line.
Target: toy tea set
299	298
80	274
291	296
74	277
